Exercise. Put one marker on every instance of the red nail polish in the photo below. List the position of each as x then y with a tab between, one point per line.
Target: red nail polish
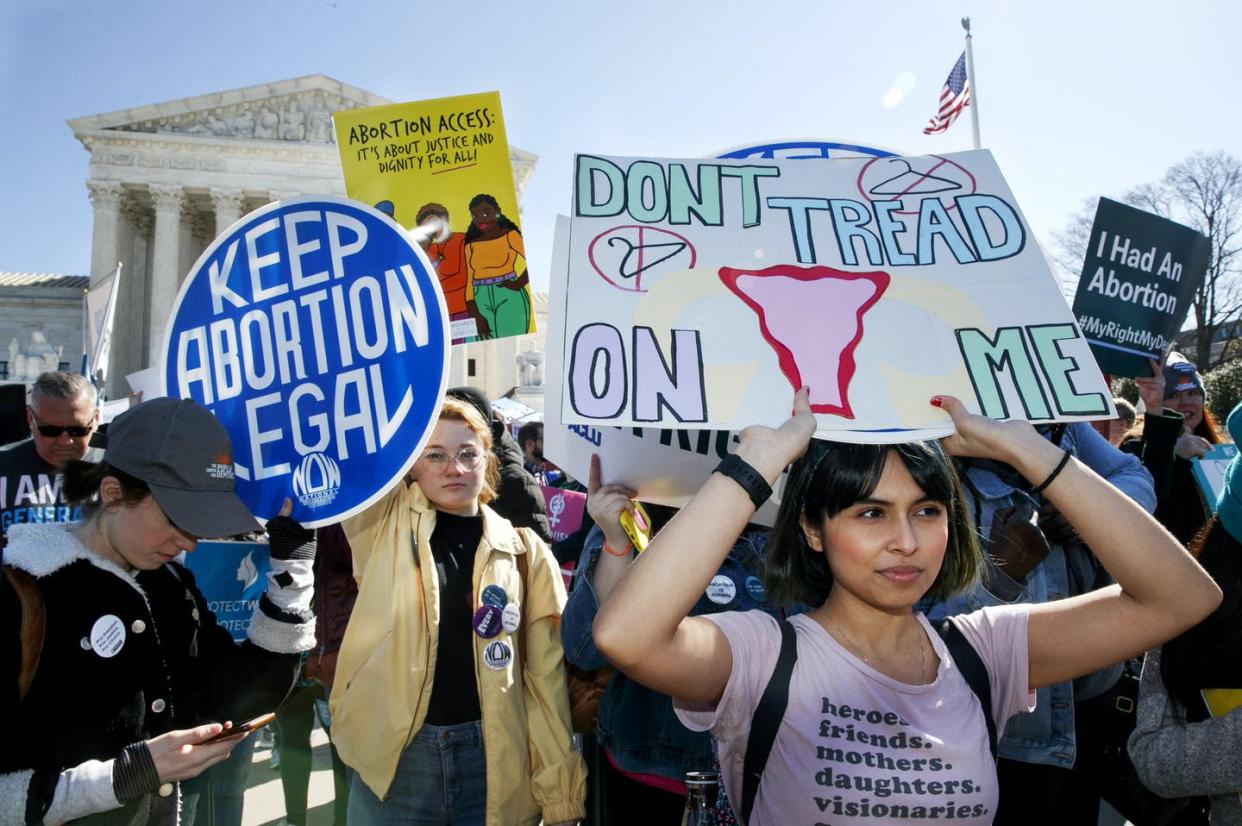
937	401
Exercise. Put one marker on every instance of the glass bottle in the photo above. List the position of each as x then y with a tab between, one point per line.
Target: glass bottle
701	790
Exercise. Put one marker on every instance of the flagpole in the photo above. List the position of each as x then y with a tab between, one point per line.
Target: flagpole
974	88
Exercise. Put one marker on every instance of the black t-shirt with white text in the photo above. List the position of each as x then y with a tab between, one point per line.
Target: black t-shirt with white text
30	489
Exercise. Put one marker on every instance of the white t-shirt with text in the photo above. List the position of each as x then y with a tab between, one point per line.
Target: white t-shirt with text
856	746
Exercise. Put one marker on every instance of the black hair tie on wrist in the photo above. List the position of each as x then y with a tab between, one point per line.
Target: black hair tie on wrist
1056	471
750	480
134	774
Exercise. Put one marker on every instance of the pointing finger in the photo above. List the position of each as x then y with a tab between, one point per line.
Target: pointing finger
593	482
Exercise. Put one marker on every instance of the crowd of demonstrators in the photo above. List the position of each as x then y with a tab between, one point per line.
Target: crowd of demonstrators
1176	427
63	414
1034	556
646	752
114	675
450	700
864	533
945	620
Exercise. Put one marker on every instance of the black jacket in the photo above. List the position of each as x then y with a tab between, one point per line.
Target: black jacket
519	499
1179	504
175	668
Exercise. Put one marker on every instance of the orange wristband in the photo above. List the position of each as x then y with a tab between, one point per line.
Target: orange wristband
629	546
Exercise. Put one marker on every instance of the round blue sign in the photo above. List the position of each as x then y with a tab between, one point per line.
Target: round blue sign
804	149
316	332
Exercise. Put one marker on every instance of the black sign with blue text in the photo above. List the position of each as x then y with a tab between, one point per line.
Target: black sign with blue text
317	333
1138	278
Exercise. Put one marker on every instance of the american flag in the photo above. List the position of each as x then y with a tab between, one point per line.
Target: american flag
953	98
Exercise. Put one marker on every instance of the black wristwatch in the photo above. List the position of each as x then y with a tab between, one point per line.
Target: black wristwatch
751	480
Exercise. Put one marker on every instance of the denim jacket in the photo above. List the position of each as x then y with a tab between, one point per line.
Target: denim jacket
1046	735
637	726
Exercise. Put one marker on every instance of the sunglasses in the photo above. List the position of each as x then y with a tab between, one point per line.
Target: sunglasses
54	431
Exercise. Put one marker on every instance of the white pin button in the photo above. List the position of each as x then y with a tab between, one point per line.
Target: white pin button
85	643
137	626
108	635
166	789
158	705
511	617
721	590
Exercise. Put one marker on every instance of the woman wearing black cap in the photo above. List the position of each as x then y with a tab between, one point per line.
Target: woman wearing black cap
113	672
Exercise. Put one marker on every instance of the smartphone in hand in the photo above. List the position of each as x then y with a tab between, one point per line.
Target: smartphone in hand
242	728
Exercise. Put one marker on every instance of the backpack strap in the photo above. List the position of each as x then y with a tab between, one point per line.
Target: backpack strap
33	623
973	671
767	718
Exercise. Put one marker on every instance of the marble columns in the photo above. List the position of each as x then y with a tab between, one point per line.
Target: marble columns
165	262
228	205
106	199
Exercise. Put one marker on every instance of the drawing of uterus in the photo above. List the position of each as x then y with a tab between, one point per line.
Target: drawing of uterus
812	317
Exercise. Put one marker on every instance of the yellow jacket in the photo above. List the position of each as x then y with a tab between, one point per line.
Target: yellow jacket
388	659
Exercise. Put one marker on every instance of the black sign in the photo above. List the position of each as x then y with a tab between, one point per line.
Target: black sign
1138	278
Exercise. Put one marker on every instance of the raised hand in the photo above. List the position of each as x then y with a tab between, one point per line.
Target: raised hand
1151	389
979	437
771	449
605	503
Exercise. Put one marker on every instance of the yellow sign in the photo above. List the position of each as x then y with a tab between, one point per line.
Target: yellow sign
448	159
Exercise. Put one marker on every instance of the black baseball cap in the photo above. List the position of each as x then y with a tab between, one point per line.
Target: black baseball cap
185	456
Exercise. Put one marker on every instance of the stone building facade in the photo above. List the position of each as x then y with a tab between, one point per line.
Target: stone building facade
165	179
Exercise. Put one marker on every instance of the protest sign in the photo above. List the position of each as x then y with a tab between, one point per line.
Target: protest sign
1138	279
317	334
700	294
565	509
449	159
666	467
1209	471
232	576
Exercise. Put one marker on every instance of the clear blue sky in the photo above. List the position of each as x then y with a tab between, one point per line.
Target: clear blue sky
1076	99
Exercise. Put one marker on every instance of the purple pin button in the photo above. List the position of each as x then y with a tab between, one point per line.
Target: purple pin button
488	621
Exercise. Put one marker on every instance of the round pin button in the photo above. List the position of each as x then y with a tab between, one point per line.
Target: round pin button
721	590
495	595
497	654
85	643
194	614
108	635
755	588
166	789
487	621
138	626
158	705
511	617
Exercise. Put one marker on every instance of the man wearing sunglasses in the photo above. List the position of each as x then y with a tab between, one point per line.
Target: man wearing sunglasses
62	414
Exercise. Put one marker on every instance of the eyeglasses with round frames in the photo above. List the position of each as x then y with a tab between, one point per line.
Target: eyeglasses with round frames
468	458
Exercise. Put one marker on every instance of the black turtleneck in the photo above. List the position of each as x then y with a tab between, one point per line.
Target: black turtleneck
454	690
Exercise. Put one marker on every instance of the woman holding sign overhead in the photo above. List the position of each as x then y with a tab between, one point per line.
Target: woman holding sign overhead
449	699
886	719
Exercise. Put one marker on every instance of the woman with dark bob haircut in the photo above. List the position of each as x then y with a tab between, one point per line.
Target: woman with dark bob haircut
830	477
881	724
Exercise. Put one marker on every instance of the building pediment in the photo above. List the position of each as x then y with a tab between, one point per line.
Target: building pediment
298	110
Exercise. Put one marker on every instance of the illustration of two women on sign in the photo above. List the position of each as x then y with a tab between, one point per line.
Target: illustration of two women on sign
482	272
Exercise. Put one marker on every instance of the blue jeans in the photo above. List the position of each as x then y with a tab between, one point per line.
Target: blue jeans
441	780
